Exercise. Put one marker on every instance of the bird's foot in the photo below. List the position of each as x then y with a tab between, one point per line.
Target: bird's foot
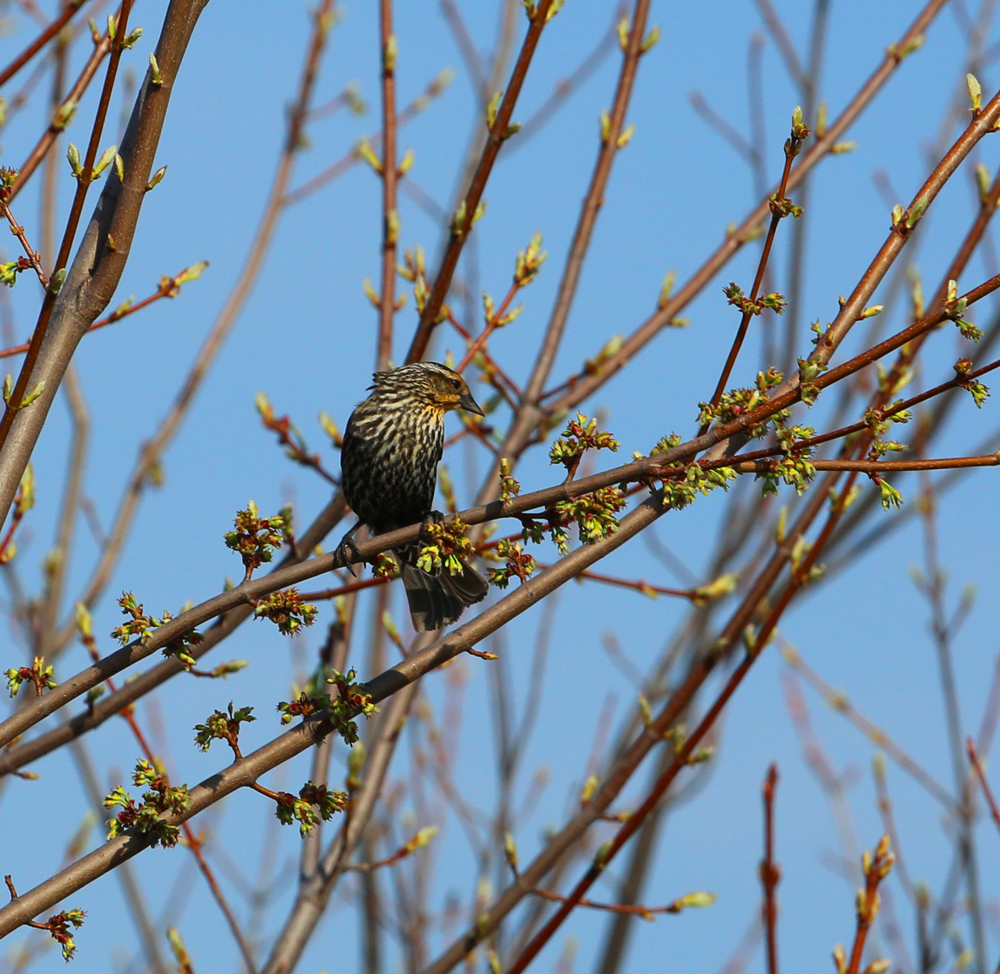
346	549
431	517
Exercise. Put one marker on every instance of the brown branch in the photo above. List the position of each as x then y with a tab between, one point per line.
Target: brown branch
315	891
498	134
792	146
168	289
246	772
528	416
148	681
84	180
32	256
882	412
390	213
770	872
639	470
807	161
970	747
503	906
683	695
876	868
877	466
153	449
40	41
56	126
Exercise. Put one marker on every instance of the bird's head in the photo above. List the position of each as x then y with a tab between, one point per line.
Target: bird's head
433	385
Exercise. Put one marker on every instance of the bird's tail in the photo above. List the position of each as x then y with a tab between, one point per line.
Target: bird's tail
438	600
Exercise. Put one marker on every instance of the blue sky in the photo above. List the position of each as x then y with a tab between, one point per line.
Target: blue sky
306	338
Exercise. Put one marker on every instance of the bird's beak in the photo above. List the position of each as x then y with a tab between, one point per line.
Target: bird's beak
469	404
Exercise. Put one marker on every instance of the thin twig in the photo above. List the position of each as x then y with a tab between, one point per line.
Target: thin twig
792	146
876	868
970	746
469	210
390	213
54	27
770	872
432	91
661	318
467	48
168	289
784	43
51	134
842	705
32	256
76	211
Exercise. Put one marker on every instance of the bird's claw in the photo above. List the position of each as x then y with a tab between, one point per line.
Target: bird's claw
345	549
431	517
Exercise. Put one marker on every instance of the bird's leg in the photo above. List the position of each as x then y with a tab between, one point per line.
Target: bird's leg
347	547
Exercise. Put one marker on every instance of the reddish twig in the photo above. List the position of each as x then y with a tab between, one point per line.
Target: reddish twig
780	208
970	746
31	255
76	210
493	321
419	840
744	231
876	867
169	288
506	386
295	448
462	224
40	41
390	174
640	585
9	535
56	126
880	413
332	593
646	912
770	872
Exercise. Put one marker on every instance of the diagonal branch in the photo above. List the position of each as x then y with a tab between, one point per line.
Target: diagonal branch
466	215
588	384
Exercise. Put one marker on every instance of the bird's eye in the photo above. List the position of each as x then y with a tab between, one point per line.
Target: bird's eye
456	383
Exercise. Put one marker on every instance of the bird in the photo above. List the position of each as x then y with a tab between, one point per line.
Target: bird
389	458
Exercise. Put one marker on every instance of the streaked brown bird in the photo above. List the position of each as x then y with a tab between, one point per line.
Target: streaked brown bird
389	458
